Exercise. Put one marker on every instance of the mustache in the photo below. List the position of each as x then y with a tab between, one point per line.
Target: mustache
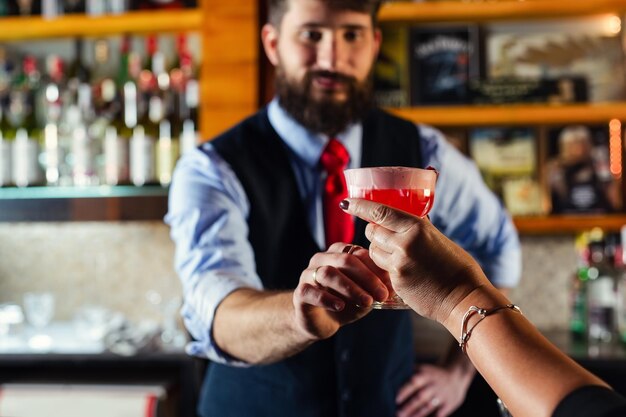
335	76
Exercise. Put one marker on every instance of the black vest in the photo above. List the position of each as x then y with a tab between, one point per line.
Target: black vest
358	371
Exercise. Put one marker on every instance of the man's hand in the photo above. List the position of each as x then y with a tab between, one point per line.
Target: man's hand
433	391
337	288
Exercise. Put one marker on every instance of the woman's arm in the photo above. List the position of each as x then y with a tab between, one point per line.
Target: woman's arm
439	280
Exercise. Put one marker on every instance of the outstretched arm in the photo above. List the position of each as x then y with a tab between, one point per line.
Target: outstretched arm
441	281
262	327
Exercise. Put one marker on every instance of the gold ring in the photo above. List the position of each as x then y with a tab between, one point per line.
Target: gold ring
349	249
315	275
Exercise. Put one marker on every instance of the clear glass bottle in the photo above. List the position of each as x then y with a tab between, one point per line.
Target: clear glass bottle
601	294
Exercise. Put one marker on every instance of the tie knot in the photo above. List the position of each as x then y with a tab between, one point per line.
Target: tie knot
334	157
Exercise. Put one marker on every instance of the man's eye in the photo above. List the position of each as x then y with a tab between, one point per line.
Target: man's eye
351	35
312	35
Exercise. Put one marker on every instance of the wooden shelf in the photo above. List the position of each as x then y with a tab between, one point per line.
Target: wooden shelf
100	203
457	116
568	224
481	11
24	28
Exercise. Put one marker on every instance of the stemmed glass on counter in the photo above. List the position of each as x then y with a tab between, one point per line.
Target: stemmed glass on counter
39	310
408	189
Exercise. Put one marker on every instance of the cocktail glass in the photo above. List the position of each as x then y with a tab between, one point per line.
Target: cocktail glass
408	189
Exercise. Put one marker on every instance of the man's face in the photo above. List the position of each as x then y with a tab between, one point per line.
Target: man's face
324	60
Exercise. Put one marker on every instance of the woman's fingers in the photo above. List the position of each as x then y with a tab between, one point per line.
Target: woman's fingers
372	212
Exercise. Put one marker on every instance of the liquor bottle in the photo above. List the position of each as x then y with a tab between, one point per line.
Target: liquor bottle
95	7
25	166
601	292
160	4
52	153
104	87
167	153
26	7
83	150
143	144
118	136
578	294
24	122
104	67
77	72
621	287
51	9
142	165
115	150
118	6
74	6
6	149
123	71
5	9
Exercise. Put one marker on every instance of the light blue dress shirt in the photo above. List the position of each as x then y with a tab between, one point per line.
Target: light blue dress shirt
208	212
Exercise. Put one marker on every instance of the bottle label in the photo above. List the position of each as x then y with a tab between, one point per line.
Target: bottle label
115	160
142	160
83	156
25	164
167	154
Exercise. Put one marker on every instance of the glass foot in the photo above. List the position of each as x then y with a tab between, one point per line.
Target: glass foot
392	303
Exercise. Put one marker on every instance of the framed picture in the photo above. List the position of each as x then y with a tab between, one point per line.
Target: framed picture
508	161
442	60
588	49
578	174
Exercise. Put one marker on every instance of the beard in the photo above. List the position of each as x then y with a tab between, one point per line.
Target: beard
324	115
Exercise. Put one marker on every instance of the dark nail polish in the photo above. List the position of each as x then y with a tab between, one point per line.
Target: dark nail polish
344	204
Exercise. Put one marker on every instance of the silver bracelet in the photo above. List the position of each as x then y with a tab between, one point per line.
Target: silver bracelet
483	313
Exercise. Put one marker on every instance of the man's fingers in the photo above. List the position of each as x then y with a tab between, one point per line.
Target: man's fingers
333	279
372	212
357	270
319	297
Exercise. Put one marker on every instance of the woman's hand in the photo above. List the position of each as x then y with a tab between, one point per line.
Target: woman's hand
430	272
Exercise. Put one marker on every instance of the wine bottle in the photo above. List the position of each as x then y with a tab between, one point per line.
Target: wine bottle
95	7
115	150
142	155
167	153
51	9
25	166
118	6
26	7
23	118
74	6
52	153
160	4
6	149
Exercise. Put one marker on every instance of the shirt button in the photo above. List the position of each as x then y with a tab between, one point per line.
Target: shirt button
345	355
346	395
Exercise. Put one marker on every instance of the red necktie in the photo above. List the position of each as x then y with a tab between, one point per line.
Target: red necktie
338	225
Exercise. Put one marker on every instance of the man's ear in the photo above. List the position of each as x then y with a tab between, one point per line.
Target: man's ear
378	39
269	38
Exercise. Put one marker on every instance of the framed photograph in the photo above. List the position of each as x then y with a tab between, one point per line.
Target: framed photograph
587	48
578	174
508	161
442	60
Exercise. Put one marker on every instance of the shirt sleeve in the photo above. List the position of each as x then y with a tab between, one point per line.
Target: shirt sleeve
591	401
207	217
470	214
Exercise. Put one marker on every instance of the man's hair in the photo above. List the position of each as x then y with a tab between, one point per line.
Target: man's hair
278	8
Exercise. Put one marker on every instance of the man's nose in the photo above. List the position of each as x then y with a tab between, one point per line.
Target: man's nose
328	54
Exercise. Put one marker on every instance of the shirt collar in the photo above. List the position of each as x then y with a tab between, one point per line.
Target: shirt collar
308	146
